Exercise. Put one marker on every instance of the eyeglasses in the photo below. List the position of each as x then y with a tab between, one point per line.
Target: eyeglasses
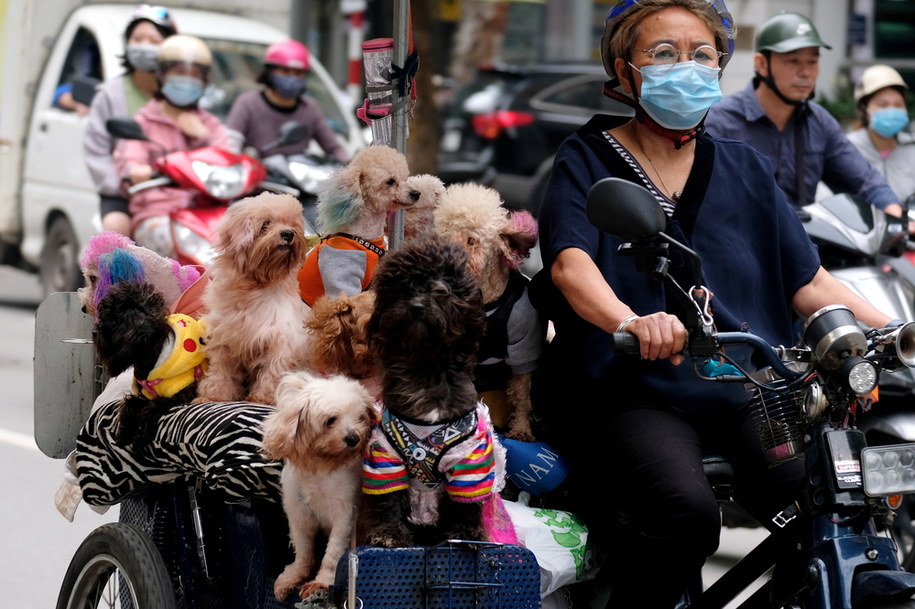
667	54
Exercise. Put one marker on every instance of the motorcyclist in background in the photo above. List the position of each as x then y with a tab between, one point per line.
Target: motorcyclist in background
172	122
880	96
256	116
776	115
123	95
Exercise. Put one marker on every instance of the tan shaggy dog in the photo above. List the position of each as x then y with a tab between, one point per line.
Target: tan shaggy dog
320	429
255	317
496	243
339	343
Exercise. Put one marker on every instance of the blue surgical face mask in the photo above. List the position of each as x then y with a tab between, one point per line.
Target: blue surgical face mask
181	90
290	85
887	122
678	96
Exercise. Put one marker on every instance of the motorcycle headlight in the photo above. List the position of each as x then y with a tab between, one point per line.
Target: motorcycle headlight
888	470
194	245
222	182
861	375
309	176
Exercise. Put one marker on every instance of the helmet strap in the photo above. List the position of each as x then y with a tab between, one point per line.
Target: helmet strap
679	138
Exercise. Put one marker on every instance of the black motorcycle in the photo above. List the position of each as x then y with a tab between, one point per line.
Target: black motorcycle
826	551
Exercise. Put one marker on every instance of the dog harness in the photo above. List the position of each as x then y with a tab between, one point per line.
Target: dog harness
340	263
185	364
493	371
457	452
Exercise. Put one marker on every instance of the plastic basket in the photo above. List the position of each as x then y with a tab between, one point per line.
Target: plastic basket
455	575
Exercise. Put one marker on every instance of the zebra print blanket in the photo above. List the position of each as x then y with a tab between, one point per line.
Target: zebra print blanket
216	442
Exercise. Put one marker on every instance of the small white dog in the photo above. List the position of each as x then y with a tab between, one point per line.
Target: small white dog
320	429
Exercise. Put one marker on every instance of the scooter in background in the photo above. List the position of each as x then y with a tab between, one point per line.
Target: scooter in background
302	174
867	251
215	176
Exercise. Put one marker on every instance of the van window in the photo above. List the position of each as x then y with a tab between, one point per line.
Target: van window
236	66
83	59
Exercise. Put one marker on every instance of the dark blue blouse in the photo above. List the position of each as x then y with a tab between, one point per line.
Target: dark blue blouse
754	251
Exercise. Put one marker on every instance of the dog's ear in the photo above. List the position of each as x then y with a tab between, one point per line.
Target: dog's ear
132	328
238	228
519	235
284	428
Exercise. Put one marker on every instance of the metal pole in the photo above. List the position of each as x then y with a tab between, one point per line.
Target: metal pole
399	119
401	48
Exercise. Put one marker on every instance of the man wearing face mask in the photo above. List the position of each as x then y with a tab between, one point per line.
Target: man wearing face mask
776	115
172	122
256	116
123	95
880	96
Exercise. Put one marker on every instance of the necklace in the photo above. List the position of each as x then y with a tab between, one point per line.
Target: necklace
674	195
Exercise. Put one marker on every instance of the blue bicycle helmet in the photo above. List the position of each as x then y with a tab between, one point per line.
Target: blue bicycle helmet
624	8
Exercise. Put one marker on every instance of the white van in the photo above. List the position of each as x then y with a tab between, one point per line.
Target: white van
48	204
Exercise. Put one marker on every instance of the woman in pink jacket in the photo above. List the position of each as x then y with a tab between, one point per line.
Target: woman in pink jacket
172	122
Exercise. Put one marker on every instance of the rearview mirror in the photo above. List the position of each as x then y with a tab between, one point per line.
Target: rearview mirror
291	132
125	129
625	210
84	89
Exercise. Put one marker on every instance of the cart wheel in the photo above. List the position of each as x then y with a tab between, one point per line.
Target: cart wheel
117	566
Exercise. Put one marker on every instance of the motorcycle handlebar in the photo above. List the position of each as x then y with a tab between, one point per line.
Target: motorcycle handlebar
153	183
628	343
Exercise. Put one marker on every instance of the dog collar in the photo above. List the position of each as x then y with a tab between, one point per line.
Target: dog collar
424	444
369	245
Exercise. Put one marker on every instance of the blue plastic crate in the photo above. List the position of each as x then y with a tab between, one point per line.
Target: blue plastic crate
456	575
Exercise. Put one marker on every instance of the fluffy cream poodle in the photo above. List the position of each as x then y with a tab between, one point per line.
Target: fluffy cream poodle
352	211
320	429
255	317
496	242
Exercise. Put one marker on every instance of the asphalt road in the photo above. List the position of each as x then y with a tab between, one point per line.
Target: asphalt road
37	542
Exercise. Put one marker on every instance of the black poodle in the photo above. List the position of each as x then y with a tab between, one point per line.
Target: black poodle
430	466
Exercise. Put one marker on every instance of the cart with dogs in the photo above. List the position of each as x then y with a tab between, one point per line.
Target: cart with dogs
201	521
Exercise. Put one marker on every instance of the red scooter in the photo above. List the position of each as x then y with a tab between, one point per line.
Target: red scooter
216	176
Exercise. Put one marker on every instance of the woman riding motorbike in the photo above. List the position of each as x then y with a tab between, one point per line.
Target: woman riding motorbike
123	95
172	122
880	96
655	417
256	116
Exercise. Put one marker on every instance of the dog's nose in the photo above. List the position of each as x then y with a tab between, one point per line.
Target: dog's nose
287	235
351	439
416	307
415	194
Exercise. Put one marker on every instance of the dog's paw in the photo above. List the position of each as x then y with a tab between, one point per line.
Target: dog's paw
287	580
261	399
521	435
389	541
310	588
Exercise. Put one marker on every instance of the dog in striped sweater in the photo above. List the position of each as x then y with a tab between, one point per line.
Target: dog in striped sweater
430	466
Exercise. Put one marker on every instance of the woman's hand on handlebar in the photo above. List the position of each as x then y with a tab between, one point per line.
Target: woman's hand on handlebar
139	173
660	336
